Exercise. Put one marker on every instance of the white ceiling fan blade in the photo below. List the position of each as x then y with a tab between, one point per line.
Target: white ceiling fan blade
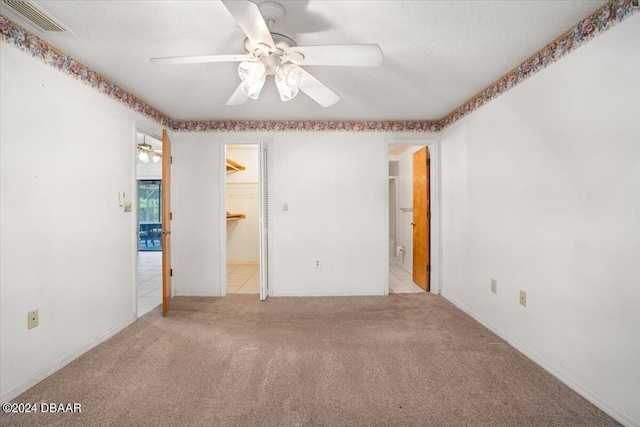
200	59
317	91
352	55
251	21
238	97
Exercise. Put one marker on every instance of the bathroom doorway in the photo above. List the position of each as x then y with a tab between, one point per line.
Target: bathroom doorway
413	230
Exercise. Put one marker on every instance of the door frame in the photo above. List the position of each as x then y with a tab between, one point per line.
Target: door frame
153	132
223	202
435	205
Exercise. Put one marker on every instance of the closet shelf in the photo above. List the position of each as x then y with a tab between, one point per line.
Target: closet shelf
233	166
231	217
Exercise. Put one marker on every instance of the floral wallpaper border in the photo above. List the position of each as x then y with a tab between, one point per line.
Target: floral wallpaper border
306	126
611	13
605	17
23	39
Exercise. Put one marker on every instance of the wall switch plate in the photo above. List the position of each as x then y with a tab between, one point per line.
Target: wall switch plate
33	319
494	286
523	298
285	207
316	263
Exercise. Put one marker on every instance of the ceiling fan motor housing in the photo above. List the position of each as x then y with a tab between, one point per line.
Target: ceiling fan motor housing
273	58
282	42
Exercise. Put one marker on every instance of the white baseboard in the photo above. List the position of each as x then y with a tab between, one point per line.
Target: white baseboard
44	373
621	416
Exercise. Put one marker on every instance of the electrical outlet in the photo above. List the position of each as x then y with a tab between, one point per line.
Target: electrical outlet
494	286
32	319
523	298
317	263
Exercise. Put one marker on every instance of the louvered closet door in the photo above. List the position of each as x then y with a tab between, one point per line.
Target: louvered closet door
264	220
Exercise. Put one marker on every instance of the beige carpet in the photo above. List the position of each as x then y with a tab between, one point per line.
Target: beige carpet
401	360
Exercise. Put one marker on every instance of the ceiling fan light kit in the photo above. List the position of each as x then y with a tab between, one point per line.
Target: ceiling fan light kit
288	78
269	53
143	156
252	76
146	153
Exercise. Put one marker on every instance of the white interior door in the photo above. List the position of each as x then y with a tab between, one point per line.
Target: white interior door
264	220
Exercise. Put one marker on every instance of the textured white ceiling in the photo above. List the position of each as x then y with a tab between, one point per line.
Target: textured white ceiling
437	54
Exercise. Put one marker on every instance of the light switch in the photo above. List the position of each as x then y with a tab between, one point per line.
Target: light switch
285	207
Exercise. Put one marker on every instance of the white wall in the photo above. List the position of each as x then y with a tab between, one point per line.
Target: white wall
455	217
541	191
197	208
336	188
149	170
242	197
393	201
67	247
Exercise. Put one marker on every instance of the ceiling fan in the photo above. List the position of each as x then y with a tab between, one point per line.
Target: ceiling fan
268	52
146	153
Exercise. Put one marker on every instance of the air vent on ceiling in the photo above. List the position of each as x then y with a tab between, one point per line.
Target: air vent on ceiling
36	15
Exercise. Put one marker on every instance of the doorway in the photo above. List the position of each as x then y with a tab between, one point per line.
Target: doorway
244	201
413	216
242	206
149	222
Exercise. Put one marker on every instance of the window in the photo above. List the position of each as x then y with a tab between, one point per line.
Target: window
149	199
150	215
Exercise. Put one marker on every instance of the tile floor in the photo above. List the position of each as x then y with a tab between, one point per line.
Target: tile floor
149	281
243	278
401	282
